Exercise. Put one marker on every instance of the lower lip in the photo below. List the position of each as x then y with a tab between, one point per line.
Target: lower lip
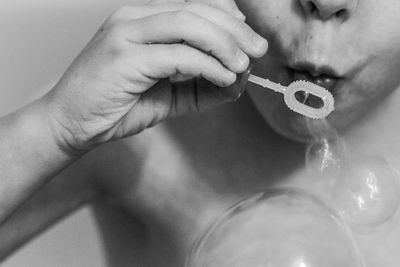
328	82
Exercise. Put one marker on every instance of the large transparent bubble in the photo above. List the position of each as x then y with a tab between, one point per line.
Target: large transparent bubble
367	192
279	228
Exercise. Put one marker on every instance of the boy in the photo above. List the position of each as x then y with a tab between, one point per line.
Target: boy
155	192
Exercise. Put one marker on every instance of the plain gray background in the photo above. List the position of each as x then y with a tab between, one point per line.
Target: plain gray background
39	39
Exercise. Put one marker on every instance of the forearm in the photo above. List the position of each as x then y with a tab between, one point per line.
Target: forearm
30	156
64	194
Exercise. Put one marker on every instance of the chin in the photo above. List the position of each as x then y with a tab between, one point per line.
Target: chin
301	129
296	127
291	126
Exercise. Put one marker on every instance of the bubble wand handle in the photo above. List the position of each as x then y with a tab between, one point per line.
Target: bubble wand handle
267	83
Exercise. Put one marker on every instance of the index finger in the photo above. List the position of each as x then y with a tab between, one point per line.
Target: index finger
229	6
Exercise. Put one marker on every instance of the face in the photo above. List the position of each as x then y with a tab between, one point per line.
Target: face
350	47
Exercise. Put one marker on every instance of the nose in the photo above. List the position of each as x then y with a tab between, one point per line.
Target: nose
327	9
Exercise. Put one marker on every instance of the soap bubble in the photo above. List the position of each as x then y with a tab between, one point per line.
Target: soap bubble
364	189
326	151
278	228
367	191
322	156
324	159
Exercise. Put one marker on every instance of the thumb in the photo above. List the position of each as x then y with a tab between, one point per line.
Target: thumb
229	6
169	99
198	94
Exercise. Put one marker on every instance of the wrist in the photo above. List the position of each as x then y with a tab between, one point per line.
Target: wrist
61	129
31	156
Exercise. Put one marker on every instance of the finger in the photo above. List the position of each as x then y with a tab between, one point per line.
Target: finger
250	42
159	6
163	61
228	6
195	30
165	1
237	89
167	99
141	11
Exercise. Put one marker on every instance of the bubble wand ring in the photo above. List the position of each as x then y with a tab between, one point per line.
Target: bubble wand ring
290	91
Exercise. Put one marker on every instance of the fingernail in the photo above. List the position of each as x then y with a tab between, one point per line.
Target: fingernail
237	89
239	15
242	59
244	78
230	76
260	44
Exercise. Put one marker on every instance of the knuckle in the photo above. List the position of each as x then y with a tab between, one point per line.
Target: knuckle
118	16
177	50
183	16
193	4
115	17
121	12
115	31
238	24
115	37
227	44
156	2
129	12
190	6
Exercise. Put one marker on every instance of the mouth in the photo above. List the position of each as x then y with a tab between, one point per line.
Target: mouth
324	76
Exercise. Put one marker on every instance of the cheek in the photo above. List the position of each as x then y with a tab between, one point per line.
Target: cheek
266	16
378	79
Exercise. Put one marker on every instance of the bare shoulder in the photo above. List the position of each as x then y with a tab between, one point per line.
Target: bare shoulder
213	148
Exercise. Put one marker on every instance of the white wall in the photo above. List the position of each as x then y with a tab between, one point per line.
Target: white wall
72	243
38	40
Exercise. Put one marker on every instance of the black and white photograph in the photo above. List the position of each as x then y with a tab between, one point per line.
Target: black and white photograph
199	133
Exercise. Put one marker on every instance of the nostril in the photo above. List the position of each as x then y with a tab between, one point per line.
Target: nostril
341	13
328	9
311	7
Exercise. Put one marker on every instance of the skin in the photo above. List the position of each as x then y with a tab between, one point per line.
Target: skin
360	44
155	192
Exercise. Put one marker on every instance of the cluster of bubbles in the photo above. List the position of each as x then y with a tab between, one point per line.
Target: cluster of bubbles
291	227
364	188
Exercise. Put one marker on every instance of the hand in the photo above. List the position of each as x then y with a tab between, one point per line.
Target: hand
120	83
229	6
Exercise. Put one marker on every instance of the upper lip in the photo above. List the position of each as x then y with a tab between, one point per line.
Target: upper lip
314	70
322	75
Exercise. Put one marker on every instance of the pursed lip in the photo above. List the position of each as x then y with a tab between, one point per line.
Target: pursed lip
324	76
314	69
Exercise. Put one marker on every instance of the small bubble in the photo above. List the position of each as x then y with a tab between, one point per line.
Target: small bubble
321	156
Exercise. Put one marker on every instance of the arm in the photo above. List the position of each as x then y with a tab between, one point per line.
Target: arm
61	196
118	86
78	185
105	94
30	156
31	197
